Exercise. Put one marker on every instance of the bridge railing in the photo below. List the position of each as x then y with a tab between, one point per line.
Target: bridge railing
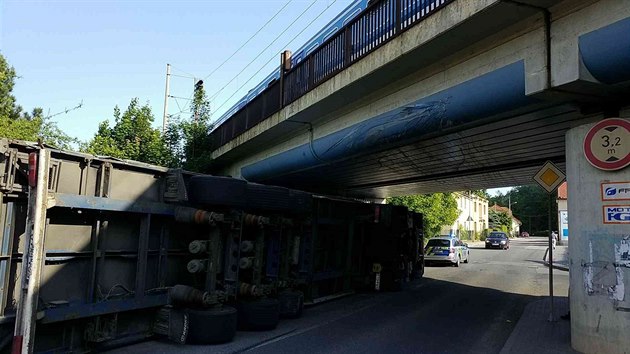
379	23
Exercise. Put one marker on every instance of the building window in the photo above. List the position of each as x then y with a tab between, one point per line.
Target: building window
475	207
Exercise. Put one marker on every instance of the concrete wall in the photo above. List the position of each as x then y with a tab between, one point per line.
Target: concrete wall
600	301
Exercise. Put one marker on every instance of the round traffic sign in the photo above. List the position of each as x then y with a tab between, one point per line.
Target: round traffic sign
607	144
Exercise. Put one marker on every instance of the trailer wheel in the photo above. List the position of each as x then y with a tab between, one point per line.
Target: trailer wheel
258	315
212	326
291	303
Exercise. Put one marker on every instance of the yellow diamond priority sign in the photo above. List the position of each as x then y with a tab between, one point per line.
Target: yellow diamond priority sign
549	177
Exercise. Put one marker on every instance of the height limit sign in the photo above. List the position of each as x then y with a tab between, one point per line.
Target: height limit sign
607	144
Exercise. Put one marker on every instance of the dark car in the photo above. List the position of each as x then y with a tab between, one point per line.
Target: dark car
498	240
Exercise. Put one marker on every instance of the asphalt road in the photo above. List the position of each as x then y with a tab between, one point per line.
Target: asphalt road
470	309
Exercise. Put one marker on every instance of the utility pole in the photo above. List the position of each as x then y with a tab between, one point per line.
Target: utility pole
166	93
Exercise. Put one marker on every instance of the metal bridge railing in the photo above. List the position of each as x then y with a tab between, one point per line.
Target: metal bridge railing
375	26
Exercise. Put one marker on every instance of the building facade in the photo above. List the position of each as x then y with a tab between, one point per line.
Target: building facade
473	216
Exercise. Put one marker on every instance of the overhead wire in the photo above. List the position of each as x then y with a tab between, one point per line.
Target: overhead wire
189	75
248	40
274	56
230	57
267	47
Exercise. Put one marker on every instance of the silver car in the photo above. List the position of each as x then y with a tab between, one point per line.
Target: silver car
446	250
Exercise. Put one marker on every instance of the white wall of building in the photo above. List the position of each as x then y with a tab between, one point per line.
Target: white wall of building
473	214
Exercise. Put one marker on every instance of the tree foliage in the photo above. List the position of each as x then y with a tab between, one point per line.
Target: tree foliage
500	219
17	124
131	137
189	139
531	204
438	209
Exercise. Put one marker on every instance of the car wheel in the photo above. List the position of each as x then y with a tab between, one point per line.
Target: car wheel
487	247
467	257
212	326
258	315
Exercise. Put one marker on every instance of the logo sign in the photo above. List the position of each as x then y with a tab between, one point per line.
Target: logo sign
615	191
607	144
616	214
549	177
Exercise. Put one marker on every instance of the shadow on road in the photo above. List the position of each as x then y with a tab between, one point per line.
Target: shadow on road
420	319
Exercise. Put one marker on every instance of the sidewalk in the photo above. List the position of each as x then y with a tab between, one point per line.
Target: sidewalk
560	258
535	334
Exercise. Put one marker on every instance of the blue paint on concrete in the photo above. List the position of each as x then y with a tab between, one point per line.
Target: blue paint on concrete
606	52
495	92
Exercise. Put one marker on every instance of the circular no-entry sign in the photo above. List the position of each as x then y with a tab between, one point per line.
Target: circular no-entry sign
607	144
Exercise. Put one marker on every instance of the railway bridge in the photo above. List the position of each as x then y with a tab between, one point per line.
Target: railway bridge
422	96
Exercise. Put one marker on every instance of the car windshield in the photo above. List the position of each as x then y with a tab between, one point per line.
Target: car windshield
497	235
438	243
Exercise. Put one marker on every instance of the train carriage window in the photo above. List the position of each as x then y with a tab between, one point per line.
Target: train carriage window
330	34
351	16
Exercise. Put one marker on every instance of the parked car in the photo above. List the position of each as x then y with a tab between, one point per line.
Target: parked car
498	240
524	234
446	250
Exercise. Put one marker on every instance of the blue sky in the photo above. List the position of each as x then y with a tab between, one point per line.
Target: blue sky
106	52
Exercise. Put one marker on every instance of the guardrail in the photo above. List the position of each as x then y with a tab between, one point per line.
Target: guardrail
378	24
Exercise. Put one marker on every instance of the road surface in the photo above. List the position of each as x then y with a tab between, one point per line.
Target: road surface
470	309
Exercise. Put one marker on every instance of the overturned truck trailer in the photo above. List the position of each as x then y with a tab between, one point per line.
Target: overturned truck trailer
98	252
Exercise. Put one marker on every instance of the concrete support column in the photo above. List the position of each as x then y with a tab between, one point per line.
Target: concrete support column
600	301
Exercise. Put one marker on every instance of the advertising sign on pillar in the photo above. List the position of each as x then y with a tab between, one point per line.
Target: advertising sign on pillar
563	222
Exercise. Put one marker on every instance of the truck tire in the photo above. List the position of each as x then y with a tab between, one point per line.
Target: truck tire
216	190
258	315
212	326
291	303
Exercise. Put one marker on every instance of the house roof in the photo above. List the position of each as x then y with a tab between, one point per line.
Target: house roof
502	209
562	191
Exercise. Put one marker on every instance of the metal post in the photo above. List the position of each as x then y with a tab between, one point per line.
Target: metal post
551	314
33	259
166	93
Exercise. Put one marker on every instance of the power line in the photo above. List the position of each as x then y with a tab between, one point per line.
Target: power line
226	60
65	111
275	55
270	44
188	75
247	41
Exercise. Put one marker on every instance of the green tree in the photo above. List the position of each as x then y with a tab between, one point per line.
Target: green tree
438	209
483	193
500	220
531	204
189	139
131	137
16	124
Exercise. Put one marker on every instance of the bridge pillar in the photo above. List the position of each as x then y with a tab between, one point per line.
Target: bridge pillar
599	255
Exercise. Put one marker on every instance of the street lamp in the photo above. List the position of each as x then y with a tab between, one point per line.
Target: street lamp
510	207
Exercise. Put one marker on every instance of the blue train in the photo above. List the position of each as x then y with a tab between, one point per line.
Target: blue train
330	29
411	10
